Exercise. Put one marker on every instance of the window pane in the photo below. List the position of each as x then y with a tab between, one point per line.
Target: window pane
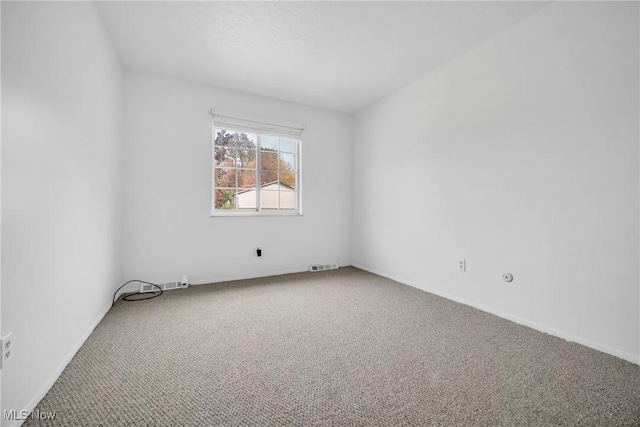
269	198
224	156
247	199
287	162
268	160
246	178
224	199
288	145
225	178
225	138
288	179
268	177
246	158
246	140
269	142
287	199
231	154
234	139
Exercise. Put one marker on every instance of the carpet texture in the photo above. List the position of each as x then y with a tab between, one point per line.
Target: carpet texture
339	348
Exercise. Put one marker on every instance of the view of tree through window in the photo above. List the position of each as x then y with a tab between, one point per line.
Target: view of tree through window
254	172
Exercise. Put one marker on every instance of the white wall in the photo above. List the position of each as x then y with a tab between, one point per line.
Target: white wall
522	156
168	227
62	106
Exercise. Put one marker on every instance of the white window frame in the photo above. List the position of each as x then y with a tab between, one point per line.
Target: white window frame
258	127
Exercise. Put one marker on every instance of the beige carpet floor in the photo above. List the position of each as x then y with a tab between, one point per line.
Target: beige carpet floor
336	348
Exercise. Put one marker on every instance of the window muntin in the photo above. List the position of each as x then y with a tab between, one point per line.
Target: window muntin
255	172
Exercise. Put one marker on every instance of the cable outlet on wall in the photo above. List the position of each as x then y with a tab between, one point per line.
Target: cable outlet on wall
462	265
7	348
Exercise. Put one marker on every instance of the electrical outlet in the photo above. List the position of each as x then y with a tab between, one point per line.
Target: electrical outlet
462	265
7	348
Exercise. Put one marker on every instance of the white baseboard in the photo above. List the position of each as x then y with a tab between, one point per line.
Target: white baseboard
531	324
254	275
134	287
56	373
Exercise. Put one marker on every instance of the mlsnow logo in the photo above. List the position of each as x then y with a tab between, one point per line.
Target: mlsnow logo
14	414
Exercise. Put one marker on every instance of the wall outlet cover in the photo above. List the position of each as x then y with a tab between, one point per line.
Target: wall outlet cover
7	348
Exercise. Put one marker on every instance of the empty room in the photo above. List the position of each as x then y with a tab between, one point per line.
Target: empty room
368	213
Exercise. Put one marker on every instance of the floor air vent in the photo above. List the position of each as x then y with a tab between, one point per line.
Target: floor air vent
148	288
164	286
322	267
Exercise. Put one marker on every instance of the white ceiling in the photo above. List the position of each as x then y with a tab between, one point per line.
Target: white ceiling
339	56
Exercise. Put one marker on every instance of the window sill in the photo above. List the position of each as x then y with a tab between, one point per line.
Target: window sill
254	214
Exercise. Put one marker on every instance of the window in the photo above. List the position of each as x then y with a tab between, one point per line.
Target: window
256	168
